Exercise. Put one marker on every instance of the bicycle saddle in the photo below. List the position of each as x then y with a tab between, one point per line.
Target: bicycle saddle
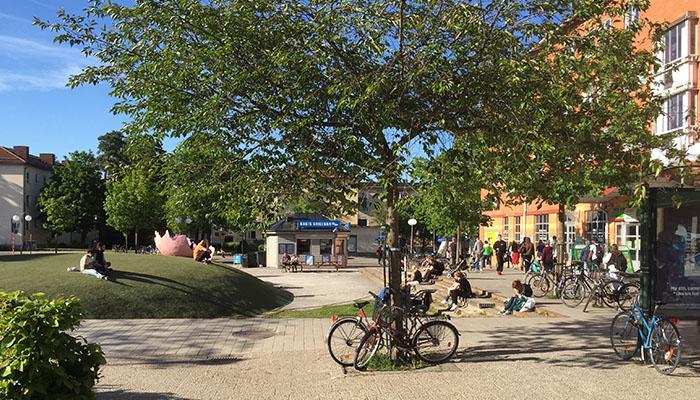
360	304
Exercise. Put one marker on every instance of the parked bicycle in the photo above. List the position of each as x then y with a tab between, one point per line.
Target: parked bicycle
428	337
601	290
345	333
657	336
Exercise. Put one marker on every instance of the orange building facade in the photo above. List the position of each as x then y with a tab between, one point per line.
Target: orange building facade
605	217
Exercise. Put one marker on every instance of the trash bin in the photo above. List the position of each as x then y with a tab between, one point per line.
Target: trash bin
240	259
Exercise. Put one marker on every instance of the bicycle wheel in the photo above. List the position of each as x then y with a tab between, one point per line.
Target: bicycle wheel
624	336
573	292
627	296
540	285
436	342
367	348
609	293
665	346
343	337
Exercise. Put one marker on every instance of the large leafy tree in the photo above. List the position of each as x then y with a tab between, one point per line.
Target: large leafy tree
112	153
321	95
72	200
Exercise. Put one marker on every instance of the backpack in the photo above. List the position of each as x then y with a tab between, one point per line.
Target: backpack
527	290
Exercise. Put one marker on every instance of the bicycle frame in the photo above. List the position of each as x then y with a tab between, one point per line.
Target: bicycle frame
638	315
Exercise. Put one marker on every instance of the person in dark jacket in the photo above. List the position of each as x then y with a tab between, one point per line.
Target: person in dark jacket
461	288
548	256
500	248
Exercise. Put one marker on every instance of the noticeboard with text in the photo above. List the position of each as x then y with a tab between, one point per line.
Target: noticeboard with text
677	272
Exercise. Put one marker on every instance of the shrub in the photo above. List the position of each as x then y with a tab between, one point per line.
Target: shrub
38	358
231	247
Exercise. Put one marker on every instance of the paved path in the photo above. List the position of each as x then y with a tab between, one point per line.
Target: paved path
498	358
313	289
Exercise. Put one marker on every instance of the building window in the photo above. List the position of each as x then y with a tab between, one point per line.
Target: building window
672	44
631	16
28	200
674	112
505	228
596	224
27	177
542	227
251	235
303	246
286	248
44	180
326	246
362	222
36	178
518	233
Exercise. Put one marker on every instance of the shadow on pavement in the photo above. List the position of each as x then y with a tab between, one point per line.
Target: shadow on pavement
22	257
162	363
568	343
119	394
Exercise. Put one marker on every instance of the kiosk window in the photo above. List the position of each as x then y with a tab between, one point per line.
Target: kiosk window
352	244
303	246
286	248
326	246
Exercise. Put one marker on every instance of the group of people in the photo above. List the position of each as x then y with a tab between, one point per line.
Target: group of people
428	270
514	254
93	263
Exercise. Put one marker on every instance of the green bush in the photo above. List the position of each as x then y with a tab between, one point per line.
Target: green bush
38	358
232	247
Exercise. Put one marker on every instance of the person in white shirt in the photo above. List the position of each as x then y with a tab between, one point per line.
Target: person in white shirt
87	266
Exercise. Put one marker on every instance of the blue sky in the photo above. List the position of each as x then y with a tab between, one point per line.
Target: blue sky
36	109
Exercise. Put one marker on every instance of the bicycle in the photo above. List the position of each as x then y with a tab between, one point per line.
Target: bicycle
431	340
345	333
631	330
609	292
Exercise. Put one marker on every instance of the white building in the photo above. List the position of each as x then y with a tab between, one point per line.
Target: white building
22	176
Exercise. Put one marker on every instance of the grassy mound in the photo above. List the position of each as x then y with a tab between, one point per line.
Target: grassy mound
145	286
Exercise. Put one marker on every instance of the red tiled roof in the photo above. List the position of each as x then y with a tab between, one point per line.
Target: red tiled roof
9	157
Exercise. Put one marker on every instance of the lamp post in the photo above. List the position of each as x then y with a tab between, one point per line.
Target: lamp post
28	218
15	220
412	222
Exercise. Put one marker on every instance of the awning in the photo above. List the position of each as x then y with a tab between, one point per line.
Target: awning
625	218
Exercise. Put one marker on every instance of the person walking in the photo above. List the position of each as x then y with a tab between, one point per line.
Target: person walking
527	251
488	250
548	256
514	253
477	252
500	247
555	248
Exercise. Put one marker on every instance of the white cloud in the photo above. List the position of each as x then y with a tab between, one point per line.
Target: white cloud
33	65
56	79
15	18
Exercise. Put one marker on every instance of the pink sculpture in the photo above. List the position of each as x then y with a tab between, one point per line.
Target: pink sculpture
178	245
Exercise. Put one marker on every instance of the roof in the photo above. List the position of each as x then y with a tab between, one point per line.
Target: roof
9	157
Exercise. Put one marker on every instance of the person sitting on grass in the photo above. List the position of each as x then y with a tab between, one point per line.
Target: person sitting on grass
461	288
102	264
202	253
517	301
87	266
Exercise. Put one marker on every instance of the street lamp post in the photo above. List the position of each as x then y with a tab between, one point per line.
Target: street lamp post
412	222
188	221
28	218
15	220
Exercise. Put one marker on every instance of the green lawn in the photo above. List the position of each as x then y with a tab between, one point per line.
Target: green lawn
145	286
339	310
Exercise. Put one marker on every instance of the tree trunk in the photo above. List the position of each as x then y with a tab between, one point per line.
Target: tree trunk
561	233
459	244
393	242
136	239
126	241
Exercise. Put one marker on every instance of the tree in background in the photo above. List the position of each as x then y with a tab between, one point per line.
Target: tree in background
72	200
134	199
112	153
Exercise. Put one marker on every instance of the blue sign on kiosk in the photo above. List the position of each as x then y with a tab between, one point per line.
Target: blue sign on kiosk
318	224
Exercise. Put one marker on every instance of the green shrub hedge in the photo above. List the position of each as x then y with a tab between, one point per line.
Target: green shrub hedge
39	359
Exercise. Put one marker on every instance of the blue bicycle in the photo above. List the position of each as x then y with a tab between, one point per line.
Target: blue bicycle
657	336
